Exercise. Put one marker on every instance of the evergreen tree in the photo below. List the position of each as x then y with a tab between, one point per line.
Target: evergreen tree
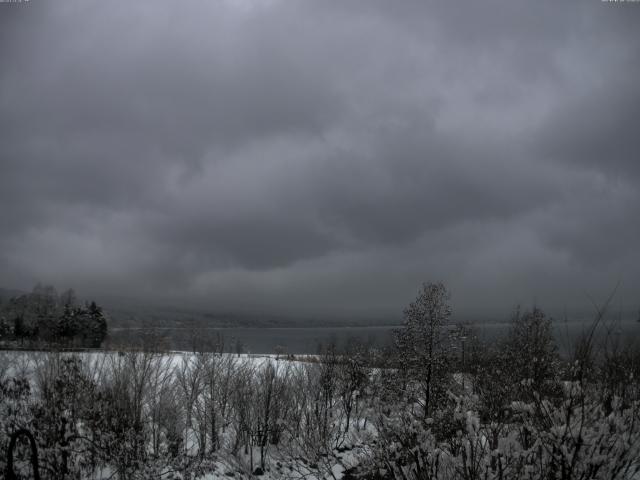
20	330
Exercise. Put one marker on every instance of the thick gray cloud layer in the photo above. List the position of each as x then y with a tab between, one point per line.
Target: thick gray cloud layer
321	156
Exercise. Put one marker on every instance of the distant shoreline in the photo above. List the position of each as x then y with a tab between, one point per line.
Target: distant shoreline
346	327
311	327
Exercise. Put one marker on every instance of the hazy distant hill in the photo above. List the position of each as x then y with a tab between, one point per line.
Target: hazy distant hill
7	293
181	317
128	312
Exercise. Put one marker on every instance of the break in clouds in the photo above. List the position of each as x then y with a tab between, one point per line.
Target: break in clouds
322	156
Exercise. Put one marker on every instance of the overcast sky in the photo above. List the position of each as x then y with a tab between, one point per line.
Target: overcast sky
322	156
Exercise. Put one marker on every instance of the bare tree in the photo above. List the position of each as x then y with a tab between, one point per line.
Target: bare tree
420	343
190	377
351	380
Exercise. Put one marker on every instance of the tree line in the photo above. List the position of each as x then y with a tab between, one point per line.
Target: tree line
44	317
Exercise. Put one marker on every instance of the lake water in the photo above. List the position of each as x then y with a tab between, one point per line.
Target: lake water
306	340
260	340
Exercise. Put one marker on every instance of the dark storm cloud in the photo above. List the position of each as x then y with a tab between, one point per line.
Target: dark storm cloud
311	155
599	129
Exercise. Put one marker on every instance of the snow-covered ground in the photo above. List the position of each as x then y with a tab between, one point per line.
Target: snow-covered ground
278	464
